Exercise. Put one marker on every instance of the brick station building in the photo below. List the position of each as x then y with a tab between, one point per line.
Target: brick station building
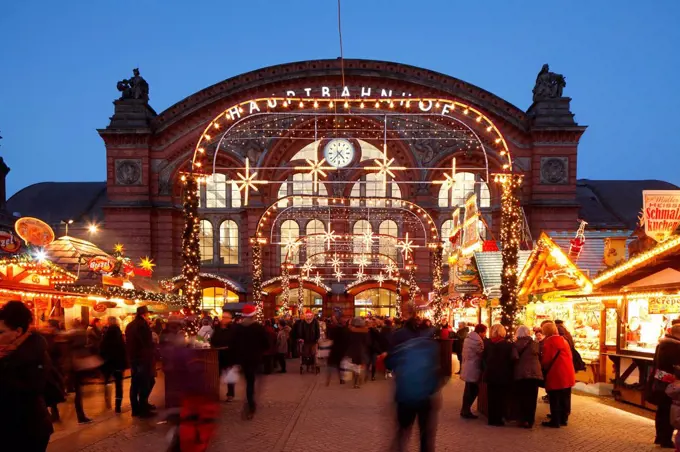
139	205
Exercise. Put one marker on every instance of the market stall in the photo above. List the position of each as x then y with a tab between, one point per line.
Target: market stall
551	287
644	293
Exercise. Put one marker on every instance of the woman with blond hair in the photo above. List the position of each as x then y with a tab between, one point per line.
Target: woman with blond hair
558	371
528	375
499	373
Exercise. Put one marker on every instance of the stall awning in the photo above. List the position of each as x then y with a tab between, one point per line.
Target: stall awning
490	266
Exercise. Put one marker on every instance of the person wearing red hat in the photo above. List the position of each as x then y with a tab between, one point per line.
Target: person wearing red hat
249	342
308	335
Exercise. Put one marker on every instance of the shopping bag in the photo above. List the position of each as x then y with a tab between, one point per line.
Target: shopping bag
89	362
230	375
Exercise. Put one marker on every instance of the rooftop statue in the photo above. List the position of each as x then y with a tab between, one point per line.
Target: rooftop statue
134	88
549	85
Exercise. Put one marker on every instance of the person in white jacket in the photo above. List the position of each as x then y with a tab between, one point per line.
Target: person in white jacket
471	372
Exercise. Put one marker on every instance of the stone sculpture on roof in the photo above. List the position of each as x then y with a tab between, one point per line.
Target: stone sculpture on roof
134	88
549	85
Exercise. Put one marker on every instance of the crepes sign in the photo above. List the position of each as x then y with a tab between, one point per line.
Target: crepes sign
661	213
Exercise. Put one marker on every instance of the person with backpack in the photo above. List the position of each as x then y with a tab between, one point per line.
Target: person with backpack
414	358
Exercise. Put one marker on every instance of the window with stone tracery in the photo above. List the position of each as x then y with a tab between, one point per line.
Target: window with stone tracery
216	192
229	242
290	232
370	186
389	232
466	184
206	241
315	241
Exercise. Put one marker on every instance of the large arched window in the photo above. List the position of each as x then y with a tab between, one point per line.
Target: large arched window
315	242
388	238
372	186
214	298
359	245
216	192
205	241
229	242
310	299
302	184
376	302
446	229
290	232
466	184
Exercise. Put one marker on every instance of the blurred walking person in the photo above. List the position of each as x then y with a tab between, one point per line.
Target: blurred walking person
459	340
339	335
249	342
282	338
113	353
140	351
221	339
528	375
83	362
25	423
471	373
359	347
414	358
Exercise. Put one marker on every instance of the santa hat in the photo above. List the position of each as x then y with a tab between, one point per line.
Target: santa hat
308	311
248	310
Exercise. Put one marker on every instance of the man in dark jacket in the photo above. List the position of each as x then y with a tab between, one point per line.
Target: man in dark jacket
249	342
112	350
140	351
221	339
308	335
666	357
24	421
414	357
461	335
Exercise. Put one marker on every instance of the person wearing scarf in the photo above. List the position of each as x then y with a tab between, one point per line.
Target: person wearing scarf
25	423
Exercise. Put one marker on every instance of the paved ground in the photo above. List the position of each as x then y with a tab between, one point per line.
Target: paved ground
299	413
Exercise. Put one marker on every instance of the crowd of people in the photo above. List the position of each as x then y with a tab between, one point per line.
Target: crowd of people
38	368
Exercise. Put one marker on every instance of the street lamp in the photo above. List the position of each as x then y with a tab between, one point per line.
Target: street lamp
67	223
93	228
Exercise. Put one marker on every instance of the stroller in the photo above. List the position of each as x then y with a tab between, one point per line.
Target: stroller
308	358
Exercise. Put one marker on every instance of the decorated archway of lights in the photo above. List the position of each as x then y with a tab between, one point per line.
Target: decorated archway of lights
257	122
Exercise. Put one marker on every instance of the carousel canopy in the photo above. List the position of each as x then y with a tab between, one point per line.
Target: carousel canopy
73	254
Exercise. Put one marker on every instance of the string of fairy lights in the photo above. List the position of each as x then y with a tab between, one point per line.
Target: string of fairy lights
258	127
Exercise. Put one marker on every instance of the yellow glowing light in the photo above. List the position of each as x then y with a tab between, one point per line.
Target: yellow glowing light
118	248
316	169
385	167
92	228
146	263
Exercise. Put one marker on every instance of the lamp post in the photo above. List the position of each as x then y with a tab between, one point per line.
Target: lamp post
67	223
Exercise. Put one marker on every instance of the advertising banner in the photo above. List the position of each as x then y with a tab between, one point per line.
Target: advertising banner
661	213
664	305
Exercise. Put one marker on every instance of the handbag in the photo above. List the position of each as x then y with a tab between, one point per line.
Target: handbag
230	375
546	371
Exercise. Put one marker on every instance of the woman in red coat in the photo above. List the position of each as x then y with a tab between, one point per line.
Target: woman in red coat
558	369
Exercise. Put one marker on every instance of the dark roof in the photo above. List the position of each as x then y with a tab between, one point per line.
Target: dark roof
53	202
614	204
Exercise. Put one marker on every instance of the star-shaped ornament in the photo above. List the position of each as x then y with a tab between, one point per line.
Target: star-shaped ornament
329	237
380	279
406	247
339	275
247	181
317	279
335	262
307	268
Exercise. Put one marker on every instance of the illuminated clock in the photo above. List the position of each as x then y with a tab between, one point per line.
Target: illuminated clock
339	152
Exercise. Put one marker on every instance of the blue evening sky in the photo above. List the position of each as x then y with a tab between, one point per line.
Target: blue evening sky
59	63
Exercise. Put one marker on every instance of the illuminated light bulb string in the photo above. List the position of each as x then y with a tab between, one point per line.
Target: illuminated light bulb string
191	254
511	236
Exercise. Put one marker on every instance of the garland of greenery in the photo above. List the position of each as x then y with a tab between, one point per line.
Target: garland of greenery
191	253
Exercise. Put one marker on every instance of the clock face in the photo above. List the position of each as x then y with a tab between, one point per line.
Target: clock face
339	152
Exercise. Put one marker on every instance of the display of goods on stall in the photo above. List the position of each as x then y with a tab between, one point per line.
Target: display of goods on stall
34	231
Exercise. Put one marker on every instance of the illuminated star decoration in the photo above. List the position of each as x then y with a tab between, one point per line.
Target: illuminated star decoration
359	275
368	237
317	279
328	237
291	244
449	182
248	181
385	167
308	267
406	246
316	168
339	275
118	248
335	262
363	261
390	268
146	264
380	278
